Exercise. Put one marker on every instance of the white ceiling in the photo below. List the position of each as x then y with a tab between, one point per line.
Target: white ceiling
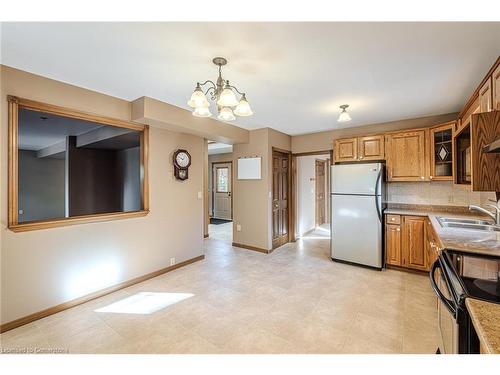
219	148
295	74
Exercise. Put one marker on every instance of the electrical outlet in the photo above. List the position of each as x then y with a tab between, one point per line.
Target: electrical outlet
238	227
199	195
21	212
172	261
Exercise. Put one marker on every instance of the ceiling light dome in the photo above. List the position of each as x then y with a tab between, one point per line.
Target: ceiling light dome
198	98
243	108
202	112
226	114
344	116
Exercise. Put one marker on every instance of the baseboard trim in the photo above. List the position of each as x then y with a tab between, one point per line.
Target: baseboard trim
405	269
78	301
254	248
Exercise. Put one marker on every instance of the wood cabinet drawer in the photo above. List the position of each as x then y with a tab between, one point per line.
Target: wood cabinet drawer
393	219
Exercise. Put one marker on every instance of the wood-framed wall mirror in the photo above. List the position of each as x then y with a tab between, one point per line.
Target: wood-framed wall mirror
69	167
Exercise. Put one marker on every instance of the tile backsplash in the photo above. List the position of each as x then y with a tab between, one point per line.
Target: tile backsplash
435	192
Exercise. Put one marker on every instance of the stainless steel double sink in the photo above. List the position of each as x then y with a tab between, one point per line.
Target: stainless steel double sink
474	224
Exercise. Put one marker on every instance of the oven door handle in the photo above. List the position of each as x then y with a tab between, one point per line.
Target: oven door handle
448	303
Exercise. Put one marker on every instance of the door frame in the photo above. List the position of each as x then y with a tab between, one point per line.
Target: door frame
212	185
325	166
293	193
291	199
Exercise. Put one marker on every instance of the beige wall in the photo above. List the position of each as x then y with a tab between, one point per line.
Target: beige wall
170	117
323	140
252	198
40	269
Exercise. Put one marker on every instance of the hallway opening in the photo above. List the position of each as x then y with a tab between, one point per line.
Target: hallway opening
312	195
220	186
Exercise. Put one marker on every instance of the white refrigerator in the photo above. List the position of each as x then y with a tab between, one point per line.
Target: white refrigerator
357	196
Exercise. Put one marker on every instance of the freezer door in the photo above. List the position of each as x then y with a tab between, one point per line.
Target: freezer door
356	178
356	229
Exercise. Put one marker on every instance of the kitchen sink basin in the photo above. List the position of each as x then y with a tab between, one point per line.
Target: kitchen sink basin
474	226
462	221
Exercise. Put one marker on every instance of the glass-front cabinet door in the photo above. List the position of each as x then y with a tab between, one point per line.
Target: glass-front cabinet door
441	138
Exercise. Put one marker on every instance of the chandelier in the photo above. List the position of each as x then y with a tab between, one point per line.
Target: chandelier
222	93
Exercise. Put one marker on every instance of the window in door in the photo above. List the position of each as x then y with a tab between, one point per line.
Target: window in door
222	175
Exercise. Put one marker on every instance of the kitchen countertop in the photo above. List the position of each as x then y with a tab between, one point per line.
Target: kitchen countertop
464	240
486	319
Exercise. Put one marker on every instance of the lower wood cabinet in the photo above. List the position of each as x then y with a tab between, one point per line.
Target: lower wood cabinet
406	243
413	242
393	244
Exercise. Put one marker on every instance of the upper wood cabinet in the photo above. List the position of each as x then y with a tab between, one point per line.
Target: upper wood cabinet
441	152
346	149
414	242
359	149
485	167
406	156
371	148
495	88
486	97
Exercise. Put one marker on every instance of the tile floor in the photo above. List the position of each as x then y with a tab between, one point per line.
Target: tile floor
295	300
223	232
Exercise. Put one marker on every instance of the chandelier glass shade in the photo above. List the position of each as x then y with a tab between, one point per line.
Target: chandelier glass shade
243	108
223	94
226	114
202	112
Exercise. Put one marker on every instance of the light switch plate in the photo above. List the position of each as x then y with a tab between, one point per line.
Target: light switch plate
199	195
238	227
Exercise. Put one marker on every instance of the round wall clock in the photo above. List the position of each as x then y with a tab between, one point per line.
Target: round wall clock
182	161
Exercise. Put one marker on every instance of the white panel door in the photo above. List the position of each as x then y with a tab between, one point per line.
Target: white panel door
221	186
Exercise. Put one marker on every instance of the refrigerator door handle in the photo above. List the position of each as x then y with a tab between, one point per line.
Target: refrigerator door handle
377	205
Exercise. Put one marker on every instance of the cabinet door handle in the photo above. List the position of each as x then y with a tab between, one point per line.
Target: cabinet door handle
398	229
422	177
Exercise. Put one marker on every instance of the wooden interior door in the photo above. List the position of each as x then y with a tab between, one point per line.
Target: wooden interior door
320	208
280	197
221	186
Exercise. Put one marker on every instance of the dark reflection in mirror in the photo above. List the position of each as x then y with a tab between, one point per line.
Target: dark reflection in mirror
69	167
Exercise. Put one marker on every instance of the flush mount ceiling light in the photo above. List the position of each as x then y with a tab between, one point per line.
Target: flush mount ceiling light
344	116
223	94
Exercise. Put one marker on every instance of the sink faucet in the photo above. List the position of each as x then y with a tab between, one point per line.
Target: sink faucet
495	215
